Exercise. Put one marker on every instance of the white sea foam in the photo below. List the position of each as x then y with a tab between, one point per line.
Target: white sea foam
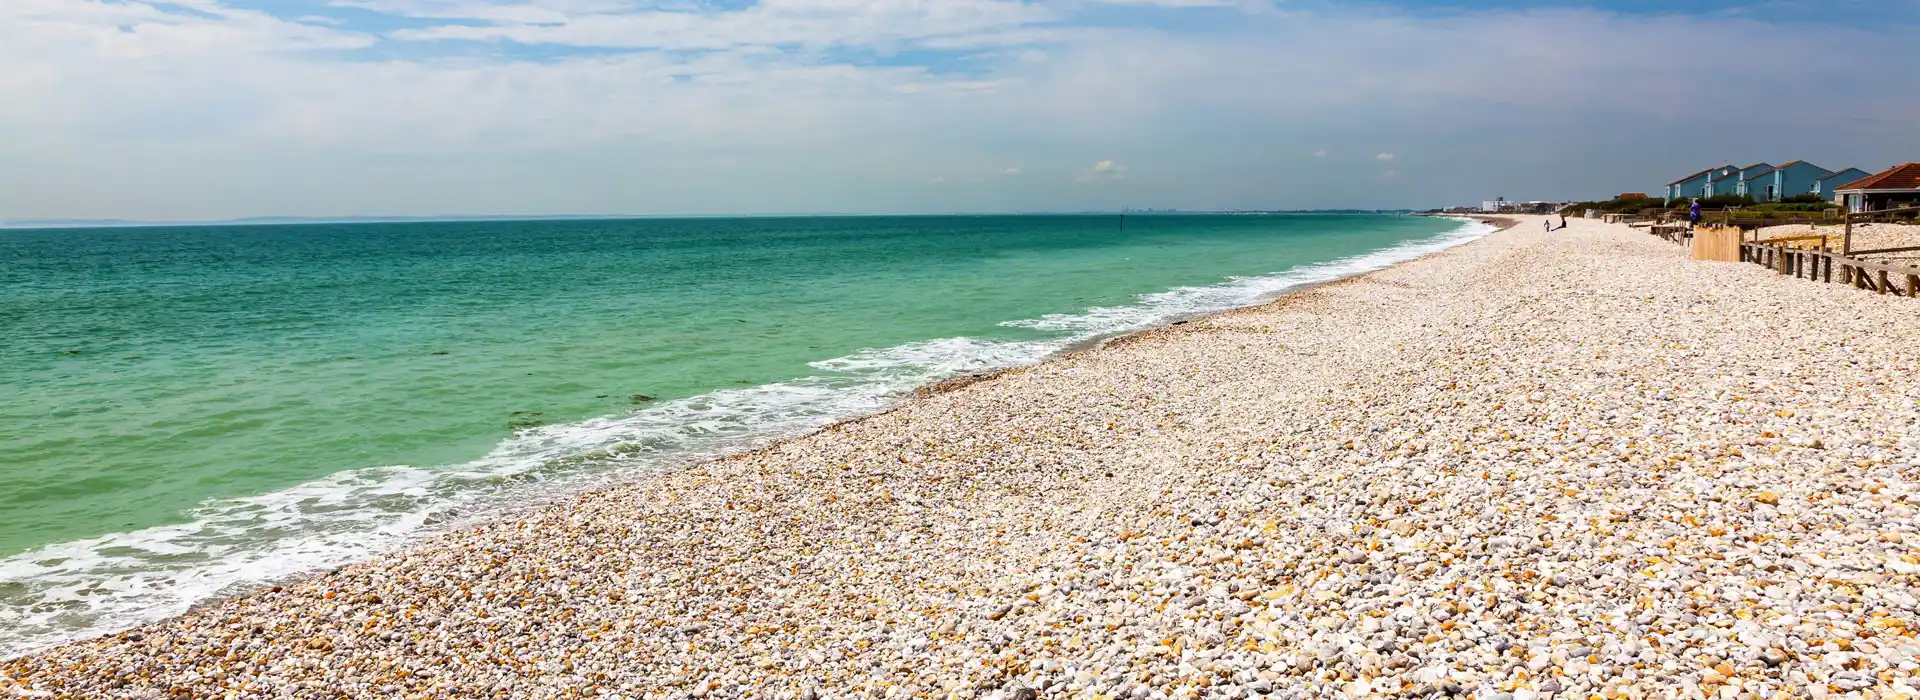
83	588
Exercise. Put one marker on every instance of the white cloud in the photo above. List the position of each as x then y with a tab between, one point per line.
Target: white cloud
1104	170
130	109
938	180
807	23
1010	171
1173	3
1384	156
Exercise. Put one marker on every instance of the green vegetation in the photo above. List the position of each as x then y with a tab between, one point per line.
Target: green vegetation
1814	206
1725	200
1797	208
1620	206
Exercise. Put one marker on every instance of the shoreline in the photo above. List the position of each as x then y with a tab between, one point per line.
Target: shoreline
1517	465
532	498
472	516
461	521
951	384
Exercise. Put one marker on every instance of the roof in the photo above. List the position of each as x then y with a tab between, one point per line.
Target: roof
1900	177
1756	165
1789	164
1842	173
1735	172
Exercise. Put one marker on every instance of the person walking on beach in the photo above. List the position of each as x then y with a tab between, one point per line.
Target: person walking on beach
1693	215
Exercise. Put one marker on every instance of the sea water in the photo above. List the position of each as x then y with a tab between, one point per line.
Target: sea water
187	411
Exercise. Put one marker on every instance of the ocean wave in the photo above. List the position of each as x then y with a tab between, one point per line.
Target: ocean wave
83	588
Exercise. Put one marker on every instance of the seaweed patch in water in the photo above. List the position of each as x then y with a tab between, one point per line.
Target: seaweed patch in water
527	419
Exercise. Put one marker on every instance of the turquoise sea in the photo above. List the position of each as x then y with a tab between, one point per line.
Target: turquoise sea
191	410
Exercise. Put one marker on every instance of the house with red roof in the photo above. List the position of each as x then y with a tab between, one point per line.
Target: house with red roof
1892	188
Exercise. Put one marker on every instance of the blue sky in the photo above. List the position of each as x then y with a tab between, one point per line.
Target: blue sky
204	109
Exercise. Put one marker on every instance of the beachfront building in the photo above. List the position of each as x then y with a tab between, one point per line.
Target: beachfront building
1790	180
1823	187
1695	185
1724	184
1893	188
1502	206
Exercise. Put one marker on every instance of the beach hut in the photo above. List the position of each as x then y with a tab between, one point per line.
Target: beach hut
1727	184
1694	185
1824	186
1790	180
1892	188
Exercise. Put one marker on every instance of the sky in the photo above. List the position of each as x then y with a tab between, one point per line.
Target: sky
213	109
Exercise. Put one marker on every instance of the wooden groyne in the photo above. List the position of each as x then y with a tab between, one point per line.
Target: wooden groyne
1804	257
1820	265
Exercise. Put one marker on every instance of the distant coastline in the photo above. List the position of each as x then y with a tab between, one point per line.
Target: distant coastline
47	224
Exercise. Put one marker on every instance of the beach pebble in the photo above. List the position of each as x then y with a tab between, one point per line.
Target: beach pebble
1566	465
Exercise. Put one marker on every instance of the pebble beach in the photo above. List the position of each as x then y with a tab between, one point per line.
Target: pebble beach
1569	465
1866	237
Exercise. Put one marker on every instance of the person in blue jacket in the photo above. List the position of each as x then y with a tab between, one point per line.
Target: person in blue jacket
1693	215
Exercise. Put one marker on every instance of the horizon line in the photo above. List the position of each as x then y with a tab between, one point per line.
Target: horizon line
50	224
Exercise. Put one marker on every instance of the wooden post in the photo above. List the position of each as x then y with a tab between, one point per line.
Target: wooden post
1913	286
1884	284
1846	237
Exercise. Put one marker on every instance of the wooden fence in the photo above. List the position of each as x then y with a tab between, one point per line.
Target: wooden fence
1674	229
1867	217
1818	265
1803	257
